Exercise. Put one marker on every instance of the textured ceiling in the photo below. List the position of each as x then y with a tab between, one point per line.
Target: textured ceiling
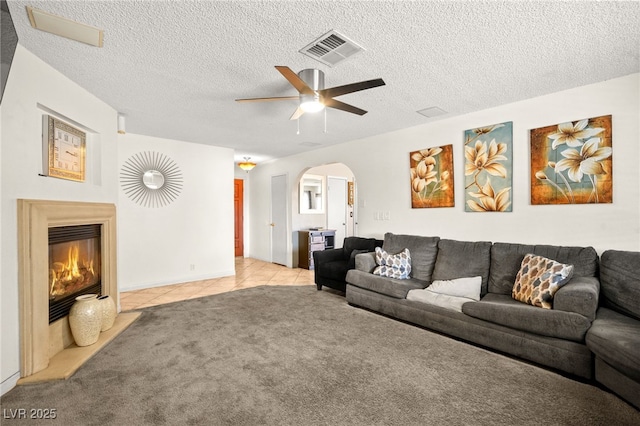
175	67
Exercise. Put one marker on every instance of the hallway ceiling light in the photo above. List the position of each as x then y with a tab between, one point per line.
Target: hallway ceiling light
246	165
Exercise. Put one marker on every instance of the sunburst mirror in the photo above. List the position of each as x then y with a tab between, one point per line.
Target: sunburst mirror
151	179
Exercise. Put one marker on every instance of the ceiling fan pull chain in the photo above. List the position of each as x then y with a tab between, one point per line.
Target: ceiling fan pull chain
325	120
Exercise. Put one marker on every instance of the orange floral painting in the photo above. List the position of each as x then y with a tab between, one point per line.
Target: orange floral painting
432	177
571	163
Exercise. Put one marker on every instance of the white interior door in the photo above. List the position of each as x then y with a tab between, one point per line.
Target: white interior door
279	219
337	208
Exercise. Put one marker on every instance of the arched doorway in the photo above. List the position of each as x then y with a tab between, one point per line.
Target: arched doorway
337	211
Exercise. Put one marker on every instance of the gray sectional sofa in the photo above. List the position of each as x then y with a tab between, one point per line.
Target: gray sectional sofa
553	338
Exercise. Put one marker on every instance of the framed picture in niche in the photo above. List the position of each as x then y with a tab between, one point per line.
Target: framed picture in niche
64	149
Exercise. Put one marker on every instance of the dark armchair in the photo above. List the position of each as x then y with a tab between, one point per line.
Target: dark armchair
331	266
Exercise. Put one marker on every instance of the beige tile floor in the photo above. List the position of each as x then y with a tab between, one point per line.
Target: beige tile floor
249	273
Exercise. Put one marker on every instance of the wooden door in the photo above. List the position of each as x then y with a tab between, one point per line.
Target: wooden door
238	195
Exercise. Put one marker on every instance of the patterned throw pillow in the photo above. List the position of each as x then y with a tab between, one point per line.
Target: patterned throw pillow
393	265
538	280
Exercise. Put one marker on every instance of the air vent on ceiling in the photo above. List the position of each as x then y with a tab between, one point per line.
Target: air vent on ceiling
331	48
64	27
432	112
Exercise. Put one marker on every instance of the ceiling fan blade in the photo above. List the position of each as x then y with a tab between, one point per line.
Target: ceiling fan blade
332	103
282	98
299	111
350	88
295	81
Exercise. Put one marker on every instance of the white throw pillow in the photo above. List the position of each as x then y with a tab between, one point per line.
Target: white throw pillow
449	294
453	303
459	287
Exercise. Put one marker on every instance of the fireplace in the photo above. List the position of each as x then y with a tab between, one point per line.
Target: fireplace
40	339
74	266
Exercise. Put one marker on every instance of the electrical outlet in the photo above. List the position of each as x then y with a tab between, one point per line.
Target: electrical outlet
387	216
192	267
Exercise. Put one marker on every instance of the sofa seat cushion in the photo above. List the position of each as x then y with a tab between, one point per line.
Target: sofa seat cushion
388	286
446	301
502	309
615	338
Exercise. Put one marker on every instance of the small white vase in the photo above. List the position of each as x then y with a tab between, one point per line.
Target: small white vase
85	320
108	308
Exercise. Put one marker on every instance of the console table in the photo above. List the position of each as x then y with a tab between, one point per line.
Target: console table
310	240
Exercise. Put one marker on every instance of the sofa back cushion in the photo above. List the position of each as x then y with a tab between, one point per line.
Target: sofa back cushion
620	281
463	259
506	259
424	251
358	243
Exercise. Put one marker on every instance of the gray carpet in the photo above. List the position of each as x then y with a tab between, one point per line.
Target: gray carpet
297	356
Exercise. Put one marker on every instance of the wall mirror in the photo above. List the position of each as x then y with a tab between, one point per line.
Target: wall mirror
151	179
312	194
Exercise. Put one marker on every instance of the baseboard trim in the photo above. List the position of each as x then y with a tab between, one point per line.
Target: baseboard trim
184	280
9	383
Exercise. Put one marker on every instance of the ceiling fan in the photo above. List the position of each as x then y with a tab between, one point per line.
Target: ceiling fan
313	96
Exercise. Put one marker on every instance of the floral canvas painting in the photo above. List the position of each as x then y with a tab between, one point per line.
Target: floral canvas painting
571	163
488	168
432	177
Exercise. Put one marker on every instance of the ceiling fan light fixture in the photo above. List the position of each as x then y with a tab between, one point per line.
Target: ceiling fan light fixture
311	103
246	165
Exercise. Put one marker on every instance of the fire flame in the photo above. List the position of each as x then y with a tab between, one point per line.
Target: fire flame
72	262
63	274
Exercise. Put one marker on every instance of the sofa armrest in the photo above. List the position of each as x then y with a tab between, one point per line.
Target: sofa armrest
366	262
579	295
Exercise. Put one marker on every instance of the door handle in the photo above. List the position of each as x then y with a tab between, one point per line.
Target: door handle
272	224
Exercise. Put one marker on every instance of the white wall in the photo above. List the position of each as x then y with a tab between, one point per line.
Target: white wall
381	168
34	89
158	246
155	246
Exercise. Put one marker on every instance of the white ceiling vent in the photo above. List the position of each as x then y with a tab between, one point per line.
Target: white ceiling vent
331	48
64	27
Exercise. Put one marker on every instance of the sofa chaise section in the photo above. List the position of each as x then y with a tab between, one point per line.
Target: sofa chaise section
614	337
